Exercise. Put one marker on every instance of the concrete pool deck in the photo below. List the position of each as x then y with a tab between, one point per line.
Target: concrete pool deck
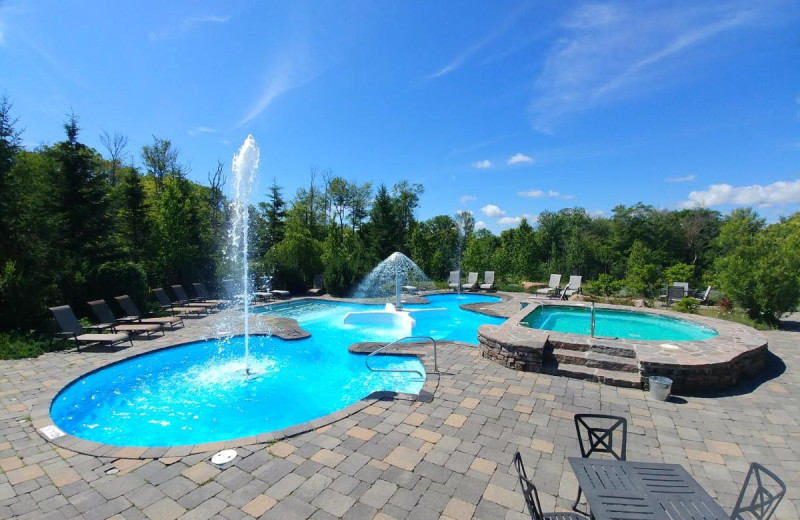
404	459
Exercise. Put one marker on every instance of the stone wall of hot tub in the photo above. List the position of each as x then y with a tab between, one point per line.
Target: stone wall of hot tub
737	353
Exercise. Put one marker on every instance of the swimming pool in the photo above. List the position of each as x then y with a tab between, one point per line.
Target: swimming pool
612	323
195	393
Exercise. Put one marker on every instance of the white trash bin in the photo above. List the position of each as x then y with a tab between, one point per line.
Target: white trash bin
660	387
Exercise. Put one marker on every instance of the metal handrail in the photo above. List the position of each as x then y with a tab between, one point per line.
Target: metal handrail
435	367
591	334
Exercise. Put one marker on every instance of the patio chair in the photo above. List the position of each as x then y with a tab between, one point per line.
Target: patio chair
596	434
71	330
455	280
203	296
704	299
488	281
104	315
574	286
472	282
168	305
184	299
532	496
761	493
133	314
552	286
682	285
674	293
317	289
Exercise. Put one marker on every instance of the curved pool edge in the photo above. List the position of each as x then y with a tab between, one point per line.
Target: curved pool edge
736	353
41	419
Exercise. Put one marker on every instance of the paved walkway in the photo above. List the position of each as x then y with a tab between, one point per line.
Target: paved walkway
449	458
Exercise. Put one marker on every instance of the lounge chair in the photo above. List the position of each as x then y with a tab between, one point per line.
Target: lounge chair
472	282
704	299
684	286
574	286
552	287
184	299
264	293
317	289
167	304
674	293
203	296
71	330
455	280
488	281
104	315
132	314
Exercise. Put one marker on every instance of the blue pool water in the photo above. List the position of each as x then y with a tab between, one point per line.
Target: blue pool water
195	393
610	323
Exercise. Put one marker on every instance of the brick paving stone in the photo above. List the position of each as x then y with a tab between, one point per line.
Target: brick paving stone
328	458
201	472
290	509
164	509
379	493
458	509
403	458
259	505
333	502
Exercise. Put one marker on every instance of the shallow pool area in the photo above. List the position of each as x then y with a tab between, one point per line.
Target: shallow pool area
614	323
198	392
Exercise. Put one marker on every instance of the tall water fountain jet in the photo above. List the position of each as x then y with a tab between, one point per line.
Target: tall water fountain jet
244	166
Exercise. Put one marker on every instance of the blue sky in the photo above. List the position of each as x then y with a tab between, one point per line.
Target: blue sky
504	111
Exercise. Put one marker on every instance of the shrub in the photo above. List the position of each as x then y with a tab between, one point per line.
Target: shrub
725	304
678	273
117	278
338	276
688	305
18	345
605	285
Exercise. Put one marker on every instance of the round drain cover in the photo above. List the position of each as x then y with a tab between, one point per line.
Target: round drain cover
223	457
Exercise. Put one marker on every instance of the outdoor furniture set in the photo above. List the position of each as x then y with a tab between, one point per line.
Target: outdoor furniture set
618	489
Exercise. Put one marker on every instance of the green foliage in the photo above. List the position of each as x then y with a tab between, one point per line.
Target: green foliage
678	273
18	345
642	275
120	277
605	285
688	305
759	271
297	258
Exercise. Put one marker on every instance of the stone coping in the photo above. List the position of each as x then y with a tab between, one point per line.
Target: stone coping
737	347
40	411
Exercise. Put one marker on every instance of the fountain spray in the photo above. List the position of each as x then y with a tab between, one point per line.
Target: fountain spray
244	166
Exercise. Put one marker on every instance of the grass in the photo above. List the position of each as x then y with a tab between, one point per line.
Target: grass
31	344
736	315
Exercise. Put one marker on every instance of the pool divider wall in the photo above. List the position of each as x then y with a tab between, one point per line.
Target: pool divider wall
737	352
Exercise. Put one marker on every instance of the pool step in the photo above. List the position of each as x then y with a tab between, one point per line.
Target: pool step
592	359
599	375
594	345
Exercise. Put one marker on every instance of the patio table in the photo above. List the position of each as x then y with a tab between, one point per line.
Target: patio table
618	489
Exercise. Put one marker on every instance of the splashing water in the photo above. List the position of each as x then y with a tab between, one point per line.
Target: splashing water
389	277
244	166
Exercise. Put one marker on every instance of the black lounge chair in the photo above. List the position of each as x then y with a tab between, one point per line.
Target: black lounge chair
71	330
132	314
317	289
203	296
169	305
532	496
104	315
184	299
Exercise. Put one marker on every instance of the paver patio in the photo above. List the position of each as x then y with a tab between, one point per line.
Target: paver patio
448	458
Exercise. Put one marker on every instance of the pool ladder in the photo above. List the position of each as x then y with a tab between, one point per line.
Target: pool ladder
395	342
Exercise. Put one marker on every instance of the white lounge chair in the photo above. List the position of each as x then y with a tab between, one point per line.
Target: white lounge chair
574	286
704	299
552	287
488	281
472	282
455	280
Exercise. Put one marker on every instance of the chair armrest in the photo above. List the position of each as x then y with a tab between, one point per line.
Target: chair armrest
101	326
129	319
65	335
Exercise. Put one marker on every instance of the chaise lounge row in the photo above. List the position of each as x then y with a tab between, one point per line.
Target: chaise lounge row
454	282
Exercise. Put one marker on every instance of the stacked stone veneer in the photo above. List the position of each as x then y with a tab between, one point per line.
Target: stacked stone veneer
738	351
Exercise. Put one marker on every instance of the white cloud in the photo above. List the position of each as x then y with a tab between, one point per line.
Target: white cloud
486	163
467	199
540	194
614	52
777	193
505	221
480	225
519	158
687	178
201	130
492	211
185	26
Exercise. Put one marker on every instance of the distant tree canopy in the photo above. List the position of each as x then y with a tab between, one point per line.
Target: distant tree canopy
76	226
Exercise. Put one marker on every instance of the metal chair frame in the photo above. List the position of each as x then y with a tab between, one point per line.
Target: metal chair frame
532	496
600	439
763	502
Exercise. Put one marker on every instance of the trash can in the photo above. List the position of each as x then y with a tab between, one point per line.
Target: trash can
660	387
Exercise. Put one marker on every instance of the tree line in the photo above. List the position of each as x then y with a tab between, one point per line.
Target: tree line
77	225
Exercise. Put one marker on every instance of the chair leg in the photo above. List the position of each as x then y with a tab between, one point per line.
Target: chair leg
575	505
